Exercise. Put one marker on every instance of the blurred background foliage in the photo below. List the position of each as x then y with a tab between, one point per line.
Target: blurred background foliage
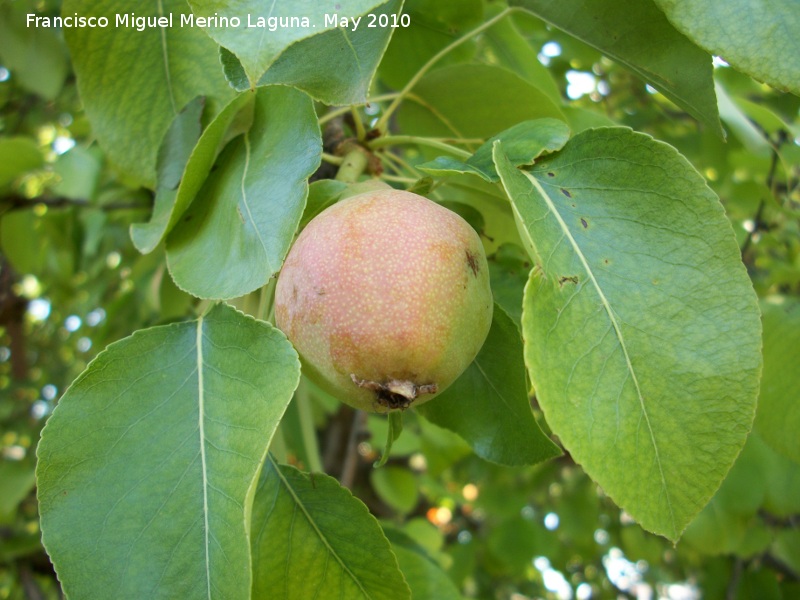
71	282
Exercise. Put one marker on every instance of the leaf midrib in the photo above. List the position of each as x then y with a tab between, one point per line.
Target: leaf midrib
165	56
246	202
313	524
617	330
201	429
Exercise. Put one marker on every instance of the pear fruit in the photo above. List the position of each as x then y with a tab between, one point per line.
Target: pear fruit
385	295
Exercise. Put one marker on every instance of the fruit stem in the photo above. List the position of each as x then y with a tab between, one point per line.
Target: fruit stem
331	159
307	431
382	123
338	112
392	140
353	165
361	133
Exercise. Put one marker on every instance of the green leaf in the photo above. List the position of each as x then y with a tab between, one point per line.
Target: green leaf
258	47
742	127
515	52
35	55
131	103
778	415
636	34
469	213
168	208
16	482
234	71
173	303
472	101
728	523
148	466
524	142
425	578
173	155
336	67
509	268
397	487
488	405
32	243
641	327
79	171
236	233
434	25
178	143
782	498
312	539
18	155
321	195
787	549
489	200
758	37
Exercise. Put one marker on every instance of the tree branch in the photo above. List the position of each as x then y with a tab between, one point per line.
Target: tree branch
17	202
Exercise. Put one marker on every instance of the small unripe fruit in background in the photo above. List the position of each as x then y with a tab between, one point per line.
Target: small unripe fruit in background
386	298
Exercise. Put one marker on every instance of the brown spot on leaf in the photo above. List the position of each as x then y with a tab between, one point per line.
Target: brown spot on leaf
563	279
566	193
584	223
551	174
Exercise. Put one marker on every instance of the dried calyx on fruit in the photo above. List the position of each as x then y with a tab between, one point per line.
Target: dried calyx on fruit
386	298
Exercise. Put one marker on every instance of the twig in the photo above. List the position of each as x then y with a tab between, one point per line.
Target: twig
733	583
350	464
16	202
758	224
382	123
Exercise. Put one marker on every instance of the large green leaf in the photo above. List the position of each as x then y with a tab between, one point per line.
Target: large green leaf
778	417
148	466
335	67
472	101
636	34
641	328
312	539
758	37
285	22
131	103
236	233
488	405
174	197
